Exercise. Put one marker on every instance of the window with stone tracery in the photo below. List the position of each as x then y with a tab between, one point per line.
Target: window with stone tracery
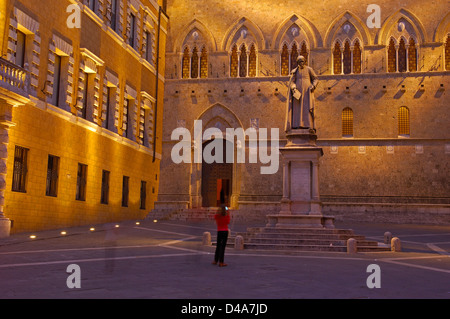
337	60
234	62
185	64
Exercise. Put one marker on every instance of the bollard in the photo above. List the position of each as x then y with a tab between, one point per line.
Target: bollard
206	239
387	237
239	243
396	244
351	246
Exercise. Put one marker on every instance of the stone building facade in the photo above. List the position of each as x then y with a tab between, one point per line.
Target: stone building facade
80	90
381	106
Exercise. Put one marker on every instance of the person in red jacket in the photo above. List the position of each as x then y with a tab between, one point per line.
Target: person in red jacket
222	221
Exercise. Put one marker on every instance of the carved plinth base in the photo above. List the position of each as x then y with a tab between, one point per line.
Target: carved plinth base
300	205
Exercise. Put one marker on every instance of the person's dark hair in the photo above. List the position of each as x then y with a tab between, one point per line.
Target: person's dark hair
224	210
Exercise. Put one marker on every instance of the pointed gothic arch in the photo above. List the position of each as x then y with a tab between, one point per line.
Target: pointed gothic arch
253	32
221	117
416	25
336	25
195	25
312	34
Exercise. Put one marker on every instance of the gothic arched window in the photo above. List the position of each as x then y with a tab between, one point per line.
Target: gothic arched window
285	60
234	62
243	62
252	62
337	59
194	63
392	57
356	58
185	64
412	56
204	63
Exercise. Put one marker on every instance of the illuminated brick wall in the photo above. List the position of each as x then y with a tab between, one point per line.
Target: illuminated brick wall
95	103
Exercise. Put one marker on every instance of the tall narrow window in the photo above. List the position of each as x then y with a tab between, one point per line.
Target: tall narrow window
447	54
185	67
194	63
143	197
204	63
104	199
402	56
412	56
86	96
20	48
392	57
125	190
127	117
347	58
252	62
52	176
347	122
285	60
56	80
243	62
132	39
356	58
234	62
337	62
81	182
403	121
110	102
92	5
304	52
20	169
114	10
148	46
294	56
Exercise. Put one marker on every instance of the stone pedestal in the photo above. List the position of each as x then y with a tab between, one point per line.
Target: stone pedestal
300	204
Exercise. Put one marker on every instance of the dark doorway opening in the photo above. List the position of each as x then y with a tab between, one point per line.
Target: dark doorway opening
216	181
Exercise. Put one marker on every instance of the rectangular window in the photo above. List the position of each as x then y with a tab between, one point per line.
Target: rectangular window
110	98
105	187
132	40
125	191
127	117
81	182
114	15
85	96
143	194
20	48
92	5
56	80
20	169
148	47
52	176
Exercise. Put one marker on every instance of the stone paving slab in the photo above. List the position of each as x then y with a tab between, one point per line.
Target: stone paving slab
166	260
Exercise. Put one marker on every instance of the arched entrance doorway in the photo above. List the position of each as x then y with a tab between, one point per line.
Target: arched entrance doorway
216	180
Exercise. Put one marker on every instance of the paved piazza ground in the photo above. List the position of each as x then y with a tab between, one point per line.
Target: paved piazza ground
166	260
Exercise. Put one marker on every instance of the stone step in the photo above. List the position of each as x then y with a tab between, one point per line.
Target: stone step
292	247
301	236
333	248
308	241
299	230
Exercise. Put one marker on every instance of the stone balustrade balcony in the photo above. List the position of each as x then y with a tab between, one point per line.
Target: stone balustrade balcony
14	78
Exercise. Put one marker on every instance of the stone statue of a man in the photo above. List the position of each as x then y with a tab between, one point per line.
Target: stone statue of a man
300	104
